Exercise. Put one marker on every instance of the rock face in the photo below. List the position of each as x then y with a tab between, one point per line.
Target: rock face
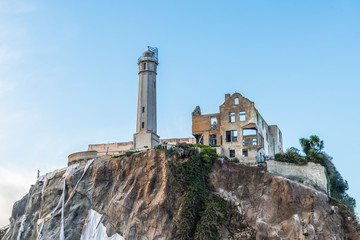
134	194
276	207
137	197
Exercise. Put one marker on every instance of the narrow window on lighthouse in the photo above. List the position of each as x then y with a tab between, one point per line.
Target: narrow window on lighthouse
144	66
142	125
143	109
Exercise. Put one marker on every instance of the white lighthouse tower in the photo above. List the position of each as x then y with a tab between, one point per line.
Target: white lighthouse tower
146	128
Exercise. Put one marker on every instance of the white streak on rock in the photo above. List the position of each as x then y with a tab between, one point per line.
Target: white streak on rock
22	228
95	230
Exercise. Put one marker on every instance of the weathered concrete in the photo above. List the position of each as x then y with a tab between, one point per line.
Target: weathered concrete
81	157
311	173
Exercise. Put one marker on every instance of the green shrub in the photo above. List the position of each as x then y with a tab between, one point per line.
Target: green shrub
235	160
212	219
338	186
306	234
172	151
291	156
159	147
127	154
201	215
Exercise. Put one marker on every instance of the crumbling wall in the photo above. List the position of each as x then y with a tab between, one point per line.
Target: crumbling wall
311	173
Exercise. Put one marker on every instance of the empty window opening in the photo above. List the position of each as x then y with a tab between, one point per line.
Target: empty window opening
261	157
249	137
232	117
143	109
247	132
242	116
213	121
232	153
144	66
228	136
245	153
212	140
260	140
142	125
199	139
236	101
234	135
154	84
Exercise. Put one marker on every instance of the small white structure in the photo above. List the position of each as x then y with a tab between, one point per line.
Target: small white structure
146	127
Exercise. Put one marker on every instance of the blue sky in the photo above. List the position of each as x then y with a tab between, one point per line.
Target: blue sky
68	75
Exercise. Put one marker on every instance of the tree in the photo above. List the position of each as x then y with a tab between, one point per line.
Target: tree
312	148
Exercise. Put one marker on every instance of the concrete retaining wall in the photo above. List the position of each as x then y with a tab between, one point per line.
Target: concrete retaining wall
81	157
310	173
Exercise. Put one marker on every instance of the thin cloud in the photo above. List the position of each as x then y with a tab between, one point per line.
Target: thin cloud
11	7
6	88
13	186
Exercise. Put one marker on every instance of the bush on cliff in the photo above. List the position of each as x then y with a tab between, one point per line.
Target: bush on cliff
200	214
338	186
292	155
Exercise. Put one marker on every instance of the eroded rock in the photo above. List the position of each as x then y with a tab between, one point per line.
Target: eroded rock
138	197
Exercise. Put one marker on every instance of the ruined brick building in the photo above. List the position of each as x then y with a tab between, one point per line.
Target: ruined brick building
238	129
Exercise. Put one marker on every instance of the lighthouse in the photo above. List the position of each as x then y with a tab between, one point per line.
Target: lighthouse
146	126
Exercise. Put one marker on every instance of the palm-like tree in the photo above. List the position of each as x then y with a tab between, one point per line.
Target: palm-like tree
313	147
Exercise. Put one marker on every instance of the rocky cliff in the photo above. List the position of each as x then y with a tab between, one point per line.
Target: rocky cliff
141	197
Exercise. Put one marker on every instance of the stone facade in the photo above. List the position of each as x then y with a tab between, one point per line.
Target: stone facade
123	147
310	173
238	129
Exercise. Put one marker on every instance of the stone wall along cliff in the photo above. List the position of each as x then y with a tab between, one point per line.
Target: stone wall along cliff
311	173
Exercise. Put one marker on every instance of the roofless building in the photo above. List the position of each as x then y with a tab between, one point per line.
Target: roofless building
238	129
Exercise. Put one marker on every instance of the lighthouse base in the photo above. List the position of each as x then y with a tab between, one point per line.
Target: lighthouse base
145	140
